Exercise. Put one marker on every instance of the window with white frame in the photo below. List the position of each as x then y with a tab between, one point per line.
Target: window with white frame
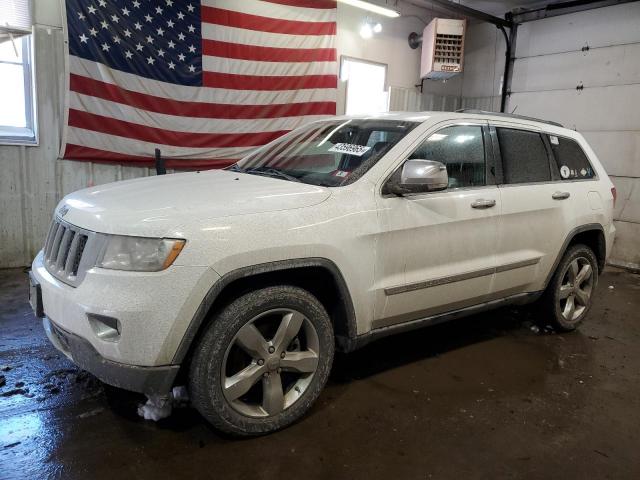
366	82
17	92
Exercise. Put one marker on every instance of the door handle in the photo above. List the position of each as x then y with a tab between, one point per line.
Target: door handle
560	195
480	203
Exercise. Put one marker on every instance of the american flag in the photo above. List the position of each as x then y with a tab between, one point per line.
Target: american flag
205	82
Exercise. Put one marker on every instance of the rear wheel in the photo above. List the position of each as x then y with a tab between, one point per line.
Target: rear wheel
568	297
262	361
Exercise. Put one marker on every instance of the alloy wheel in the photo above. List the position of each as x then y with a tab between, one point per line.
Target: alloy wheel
576	289
270	362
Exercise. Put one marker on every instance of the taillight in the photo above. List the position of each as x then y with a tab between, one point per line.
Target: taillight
614	192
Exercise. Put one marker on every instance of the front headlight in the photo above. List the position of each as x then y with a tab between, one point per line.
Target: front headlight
139	254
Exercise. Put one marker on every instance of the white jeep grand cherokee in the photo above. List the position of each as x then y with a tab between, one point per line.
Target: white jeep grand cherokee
242	282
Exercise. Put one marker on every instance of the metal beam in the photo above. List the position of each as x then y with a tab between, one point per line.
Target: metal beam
509	62
562	8
463	10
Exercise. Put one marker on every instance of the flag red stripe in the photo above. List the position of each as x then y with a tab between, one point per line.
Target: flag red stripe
229	18
252	82
111	126
216	48
323	4
151	103
78	152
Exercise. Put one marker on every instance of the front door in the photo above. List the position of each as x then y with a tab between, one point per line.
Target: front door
437	249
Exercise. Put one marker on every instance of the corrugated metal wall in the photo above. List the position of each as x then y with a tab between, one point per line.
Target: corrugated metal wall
32	181
404	99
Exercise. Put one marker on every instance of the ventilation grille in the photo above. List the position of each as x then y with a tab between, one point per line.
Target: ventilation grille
442	49
448	49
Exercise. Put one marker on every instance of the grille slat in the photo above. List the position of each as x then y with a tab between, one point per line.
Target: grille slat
54	233
63	248
63	251
53	256
50	234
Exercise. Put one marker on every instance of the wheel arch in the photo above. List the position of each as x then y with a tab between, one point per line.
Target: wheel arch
591	235
319	276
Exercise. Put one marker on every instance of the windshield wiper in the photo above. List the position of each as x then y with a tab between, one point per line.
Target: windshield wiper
271	172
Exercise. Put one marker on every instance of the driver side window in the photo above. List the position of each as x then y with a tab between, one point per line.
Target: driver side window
461	149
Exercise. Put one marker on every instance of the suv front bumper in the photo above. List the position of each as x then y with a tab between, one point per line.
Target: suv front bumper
148	380
124	327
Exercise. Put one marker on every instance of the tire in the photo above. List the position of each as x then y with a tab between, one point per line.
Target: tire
579	262
228	358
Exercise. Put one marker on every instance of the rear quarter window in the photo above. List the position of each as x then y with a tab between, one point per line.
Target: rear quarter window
571	160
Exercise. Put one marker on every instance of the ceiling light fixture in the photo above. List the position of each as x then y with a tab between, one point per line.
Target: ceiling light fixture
387	12
366	31
368	28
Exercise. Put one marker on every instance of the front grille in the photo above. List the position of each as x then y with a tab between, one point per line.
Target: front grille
64	251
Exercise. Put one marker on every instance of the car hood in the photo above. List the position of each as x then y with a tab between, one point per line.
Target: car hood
155	206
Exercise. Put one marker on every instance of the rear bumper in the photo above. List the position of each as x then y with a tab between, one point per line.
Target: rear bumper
147	380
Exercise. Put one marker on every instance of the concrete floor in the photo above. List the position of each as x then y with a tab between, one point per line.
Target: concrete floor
484	397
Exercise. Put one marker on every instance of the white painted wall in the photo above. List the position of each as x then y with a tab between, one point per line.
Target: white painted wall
480	82
32	180
550	64
389	46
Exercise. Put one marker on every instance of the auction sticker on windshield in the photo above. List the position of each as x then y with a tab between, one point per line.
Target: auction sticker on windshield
349	149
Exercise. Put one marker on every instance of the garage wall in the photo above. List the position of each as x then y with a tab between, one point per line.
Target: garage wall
479	85
389	47
583	70
32	181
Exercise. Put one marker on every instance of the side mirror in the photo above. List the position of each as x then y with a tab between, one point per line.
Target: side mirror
419	176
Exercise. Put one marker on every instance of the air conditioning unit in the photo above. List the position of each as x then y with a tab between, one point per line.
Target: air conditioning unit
442	49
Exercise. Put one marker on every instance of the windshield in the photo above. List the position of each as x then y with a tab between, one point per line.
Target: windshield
332	153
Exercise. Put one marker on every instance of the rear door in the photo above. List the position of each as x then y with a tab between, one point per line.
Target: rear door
576	177
536	209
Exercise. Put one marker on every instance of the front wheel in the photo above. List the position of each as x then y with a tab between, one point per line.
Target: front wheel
262	361
569	294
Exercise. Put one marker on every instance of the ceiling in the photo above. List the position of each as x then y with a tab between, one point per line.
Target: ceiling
500	7
493	7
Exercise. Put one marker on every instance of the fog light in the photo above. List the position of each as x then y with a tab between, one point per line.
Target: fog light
105	328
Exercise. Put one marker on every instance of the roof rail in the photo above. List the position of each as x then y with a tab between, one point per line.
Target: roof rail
508	115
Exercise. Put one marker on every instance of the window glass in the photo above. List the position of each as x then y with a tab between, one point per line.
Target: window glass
365	82
17	114
12	98
571	159
11	52
331	153
461	149
524	156
385	136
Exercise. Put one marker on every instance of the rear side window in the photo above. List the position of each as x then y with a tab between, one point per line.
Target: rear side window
461	149
524	156
572	162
